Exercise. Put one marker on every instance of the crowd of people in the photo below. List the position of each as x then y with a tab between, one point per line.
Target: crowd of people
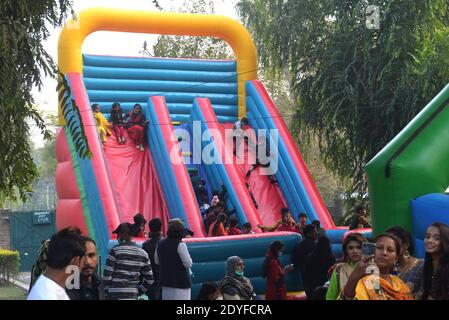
161	267
134	121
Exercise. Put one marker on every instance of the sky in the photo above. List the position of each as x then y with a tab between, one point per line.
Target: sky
110	43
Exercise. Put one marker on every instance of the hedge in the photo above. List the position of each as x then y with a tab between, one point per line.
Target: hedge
9	264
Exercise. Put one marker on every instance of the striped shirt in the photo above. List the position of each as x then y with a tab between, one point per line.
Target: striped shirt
127	272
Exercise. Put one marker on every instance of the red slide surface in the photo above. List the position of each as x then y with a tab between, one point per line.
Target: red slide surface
135	181
268	196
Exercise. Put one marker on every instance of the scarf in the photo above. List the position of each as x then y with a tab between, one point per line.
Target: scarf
396	290
240	284
232	282
136	118
343	272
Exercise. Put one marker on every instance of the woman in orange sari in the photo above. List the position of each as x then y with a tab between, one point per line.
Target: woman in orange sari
380	285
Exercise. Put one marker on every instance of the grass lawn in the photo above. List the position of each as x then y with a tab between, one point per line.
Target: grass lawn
11	292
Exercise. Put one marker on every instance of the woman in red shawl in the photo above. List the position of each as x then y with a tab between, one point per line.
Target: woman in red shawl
136	125
274	273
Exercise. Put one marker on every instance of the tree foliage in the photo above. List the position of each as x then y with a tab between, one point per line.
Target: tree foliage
73	118
23	29
187	46
356	87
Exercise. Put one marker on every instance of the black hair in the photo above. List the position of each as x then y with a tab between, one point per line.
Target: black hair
233	221
207	289
247	225
95	105
88	239
63	247
284	211
139	219
302	214
137	105
221	218
356	237
308	229
221	204
245	120
155	225
316	223
442	274
187	232
275	247
116	104
405	237
215	193
359	208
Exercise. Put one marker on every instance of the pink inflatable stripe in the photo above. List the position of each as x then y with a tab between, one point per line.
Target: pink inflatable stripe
304	174
98	161
182	178
236	177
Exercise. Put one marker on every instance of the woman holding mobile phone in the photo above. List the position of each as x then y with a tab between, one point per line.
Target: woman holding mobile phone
381	285
274	273
352	253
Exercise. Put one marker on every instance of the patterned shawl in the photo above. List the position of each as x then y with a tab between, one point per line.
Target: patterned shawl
233	284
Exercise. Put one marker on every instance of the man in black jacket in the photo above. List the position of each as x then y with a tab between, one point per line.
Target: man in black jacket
155	226
302	251
91	286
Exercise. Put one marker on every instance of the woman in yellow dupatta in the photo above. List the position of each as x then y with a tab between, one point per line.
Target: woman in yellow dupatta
102	123
380	285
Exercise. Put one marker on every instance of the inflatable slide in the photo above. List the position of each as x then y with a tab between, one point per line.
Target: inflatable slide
180	98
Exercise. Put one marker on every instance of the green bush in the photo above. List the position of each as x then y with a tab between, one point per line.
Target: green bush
9	264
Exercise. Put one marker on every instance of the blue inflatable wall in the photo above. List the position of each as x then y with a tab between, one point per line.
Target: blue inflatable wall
180	81
433	207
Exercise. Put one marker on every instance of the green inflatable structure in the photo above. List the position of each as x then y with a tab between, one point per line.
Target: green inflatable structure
413	164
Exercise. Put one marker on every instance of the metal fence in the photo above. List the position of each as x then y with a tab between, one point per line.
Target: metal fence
44	198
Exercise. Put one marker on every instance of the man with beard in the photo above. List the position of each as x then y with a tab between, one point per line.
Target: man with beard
91	286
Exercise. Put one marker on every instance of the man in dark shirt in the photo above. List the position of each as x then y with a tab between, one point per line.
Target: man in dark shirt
305	247
155	226
91	286
302	251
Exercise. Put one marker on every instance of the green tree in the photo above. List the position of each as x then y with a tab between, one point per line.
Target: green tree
23	28
190	47
356	86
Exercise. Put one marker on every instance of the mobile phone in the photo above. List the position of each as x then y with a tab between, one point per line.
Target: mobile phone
368	249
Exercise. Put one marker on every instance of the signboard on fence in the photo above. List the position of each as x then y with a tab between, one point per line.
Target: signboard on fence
41	217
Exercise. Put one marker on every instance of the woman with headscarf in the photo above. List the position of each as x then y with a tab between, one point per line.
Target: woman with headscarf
234	286
275	274
136	125
174	262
